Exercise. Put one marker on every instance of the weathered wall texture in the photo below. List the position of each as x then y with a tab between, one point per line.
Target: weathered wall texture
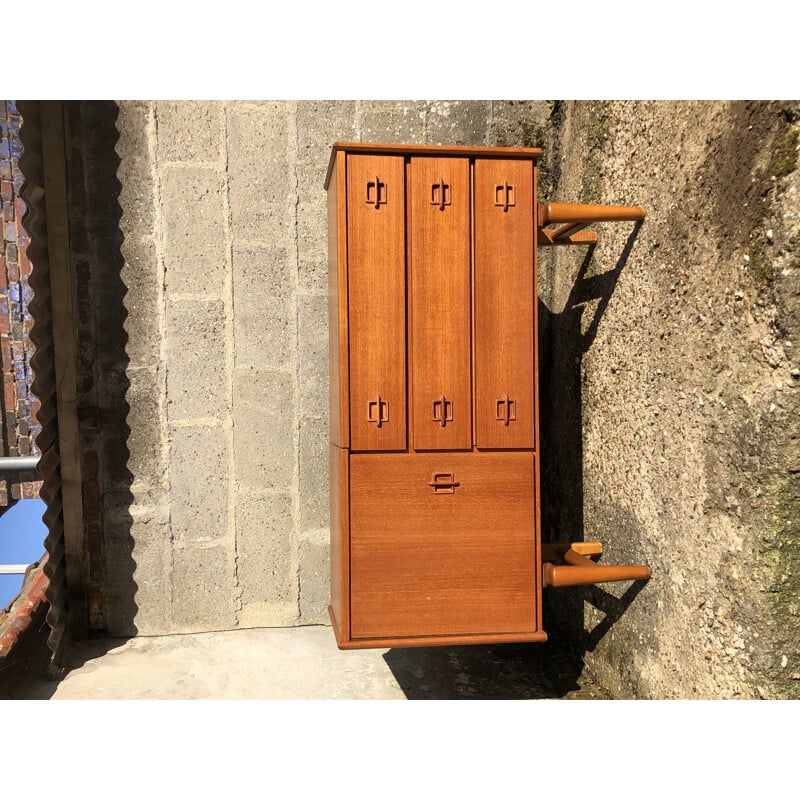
670	380
212	385
676	352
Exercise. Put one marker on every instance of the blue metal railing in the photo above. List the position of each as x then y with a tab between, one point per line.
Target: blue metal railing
10	574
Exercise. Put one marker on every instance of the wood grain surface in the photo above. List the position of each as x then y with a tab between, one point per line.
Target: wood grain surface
436	150
440	305
504	304
337	309
340	539
377	302
434	505
427	562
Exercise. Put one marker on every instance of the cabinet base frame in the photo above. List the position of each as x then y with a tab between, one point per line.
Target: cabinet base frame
431	641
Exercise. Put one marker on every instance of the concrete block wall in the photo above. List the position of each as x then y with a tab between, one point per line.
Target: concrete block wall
224	249
670	381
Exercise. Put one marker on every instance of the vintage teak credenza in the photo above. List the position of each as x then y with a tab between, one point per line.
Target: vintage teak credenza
434	399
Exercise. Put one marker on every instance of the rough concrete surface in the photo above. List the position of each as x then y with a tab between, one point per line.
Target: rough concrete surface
674	352
670	381
296	664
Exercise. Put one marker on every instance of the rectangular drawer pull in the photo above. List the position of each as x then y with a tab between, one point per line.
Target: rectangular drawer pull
442	411
506	410
444	483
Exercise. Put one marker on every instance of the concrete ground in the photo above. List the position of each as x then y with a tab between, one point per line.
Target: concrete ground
293	663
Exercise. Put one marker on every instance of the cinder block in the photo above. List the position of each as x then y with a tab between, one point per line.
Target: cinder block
204	588
314	574
137	587
313	355
266	559
312	241
397	121
145	437
117	418
264	429
519	123
196	383
314	473
198	472
458	122
195	250
135	171
189	130
141	276
264	323
261	173
320	123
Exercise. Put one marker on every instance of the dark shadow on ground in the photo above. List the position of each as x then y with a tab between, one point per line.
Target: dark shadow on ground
27	673
613	607
565	337
535	671
27	665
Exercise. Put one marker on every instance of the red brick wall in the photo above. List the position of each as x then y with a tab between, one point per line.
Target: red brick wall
18	424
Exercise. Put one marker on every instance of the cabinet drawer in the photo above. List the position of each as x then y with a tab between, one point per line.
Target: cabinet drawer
441	404
442	544
376	285
505	295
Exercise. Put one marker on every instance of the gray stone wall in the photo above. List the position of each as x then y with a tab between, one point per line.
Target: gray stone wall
225	269
670	393
670	384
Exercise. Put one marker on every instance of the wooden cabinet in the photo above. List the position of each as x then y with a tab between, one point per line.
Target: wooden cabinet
434	434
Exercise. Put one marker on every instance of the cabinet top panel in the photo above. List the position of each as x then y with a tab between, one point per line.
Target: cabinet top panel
529	153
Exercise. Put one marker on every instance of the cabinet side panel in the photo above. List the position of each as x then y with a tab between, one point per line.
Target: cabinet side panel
337	306
440	304
537	462
340	541
377	301
505	298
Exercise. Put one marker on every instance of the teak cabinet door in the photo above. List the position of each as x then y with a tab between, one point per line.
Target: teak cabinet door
439	231
442	544
504	304
376	206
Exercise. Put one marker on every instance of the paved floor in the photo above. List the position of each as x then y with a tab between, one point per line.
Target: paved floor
298	663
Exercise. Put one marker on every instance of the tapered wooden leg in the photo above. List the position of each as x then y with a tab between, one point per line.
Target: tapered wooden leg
554	551
580	571
575	218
